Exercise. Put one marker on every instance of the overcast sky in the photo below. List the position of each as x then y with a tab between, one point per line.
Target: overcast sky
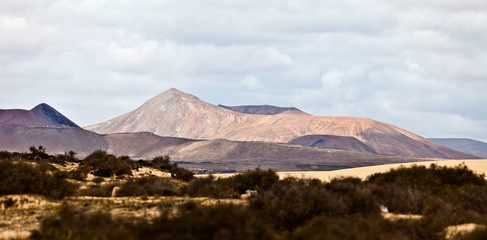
418	64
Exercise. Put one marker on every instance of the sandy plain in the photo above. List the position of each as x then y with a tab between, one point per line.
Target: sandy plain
477	165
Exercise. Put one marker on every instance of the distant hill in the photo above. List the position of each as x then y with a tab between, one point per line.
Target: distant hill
332	142
43	125
468	146
260	109
42	115
55	140
178	114
224	155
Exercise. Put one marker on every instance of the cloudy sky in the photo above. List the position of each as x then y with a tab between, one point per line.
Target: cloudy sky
417	64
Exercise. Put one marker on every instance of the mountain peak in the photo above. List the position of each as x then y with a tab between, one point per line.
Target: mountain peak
43	110
43	107
173	94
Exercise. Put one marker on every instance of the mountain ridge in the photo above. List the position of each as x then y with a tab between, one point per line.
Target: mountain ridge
178	114
261	109
466	145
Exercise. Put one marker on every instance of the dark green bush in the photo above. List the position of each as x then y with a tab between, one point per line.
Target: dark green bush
209	187
77	175
194	222
434	179
347	227
257	179
412	189
79	223
5	155
100	160
21	177
291	202
213	222
69	157
234	186
164	163
147	186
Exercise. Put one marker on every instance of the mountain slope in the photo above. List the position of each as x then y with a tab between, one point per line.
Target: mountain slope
468	146
44	126
177	114
42	115
224	155
332	142
55	140
260	109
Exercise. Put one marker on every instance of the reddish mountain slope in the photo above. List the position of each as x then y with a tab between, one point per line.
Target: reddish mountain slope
332	142
177	114
43	125
42	115
55	140
260	109
223	155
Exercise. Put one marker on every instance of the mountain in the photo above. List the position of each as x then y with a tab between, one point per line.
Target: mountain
55	140
260	109
177	114
332	142
144	145
42	115
468	146
45	126
223	155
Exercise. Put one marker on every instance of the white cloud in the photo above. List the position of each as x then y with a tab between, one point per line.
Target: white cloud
251	82
411	63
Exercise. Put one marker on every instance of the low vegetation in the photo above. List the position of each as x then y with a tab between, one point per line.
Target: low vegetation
290	208
20	177
232	187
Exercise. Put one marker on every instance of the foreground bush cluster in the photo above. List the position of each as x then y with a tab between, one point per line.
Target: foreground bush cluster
346	208
290	208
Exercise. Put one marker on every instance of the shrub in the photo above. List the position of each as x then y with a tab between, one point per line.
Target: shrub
164	163
346	227
98	190
194	222
78	223
234	186
107	163
209	187
433	179
291	202
212	222
410	190
76	175
257	179
69	157
42	178
5	155
149	186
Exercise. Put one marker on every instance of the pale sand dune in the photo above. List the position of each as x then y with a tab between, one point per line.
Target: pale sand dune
477	165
